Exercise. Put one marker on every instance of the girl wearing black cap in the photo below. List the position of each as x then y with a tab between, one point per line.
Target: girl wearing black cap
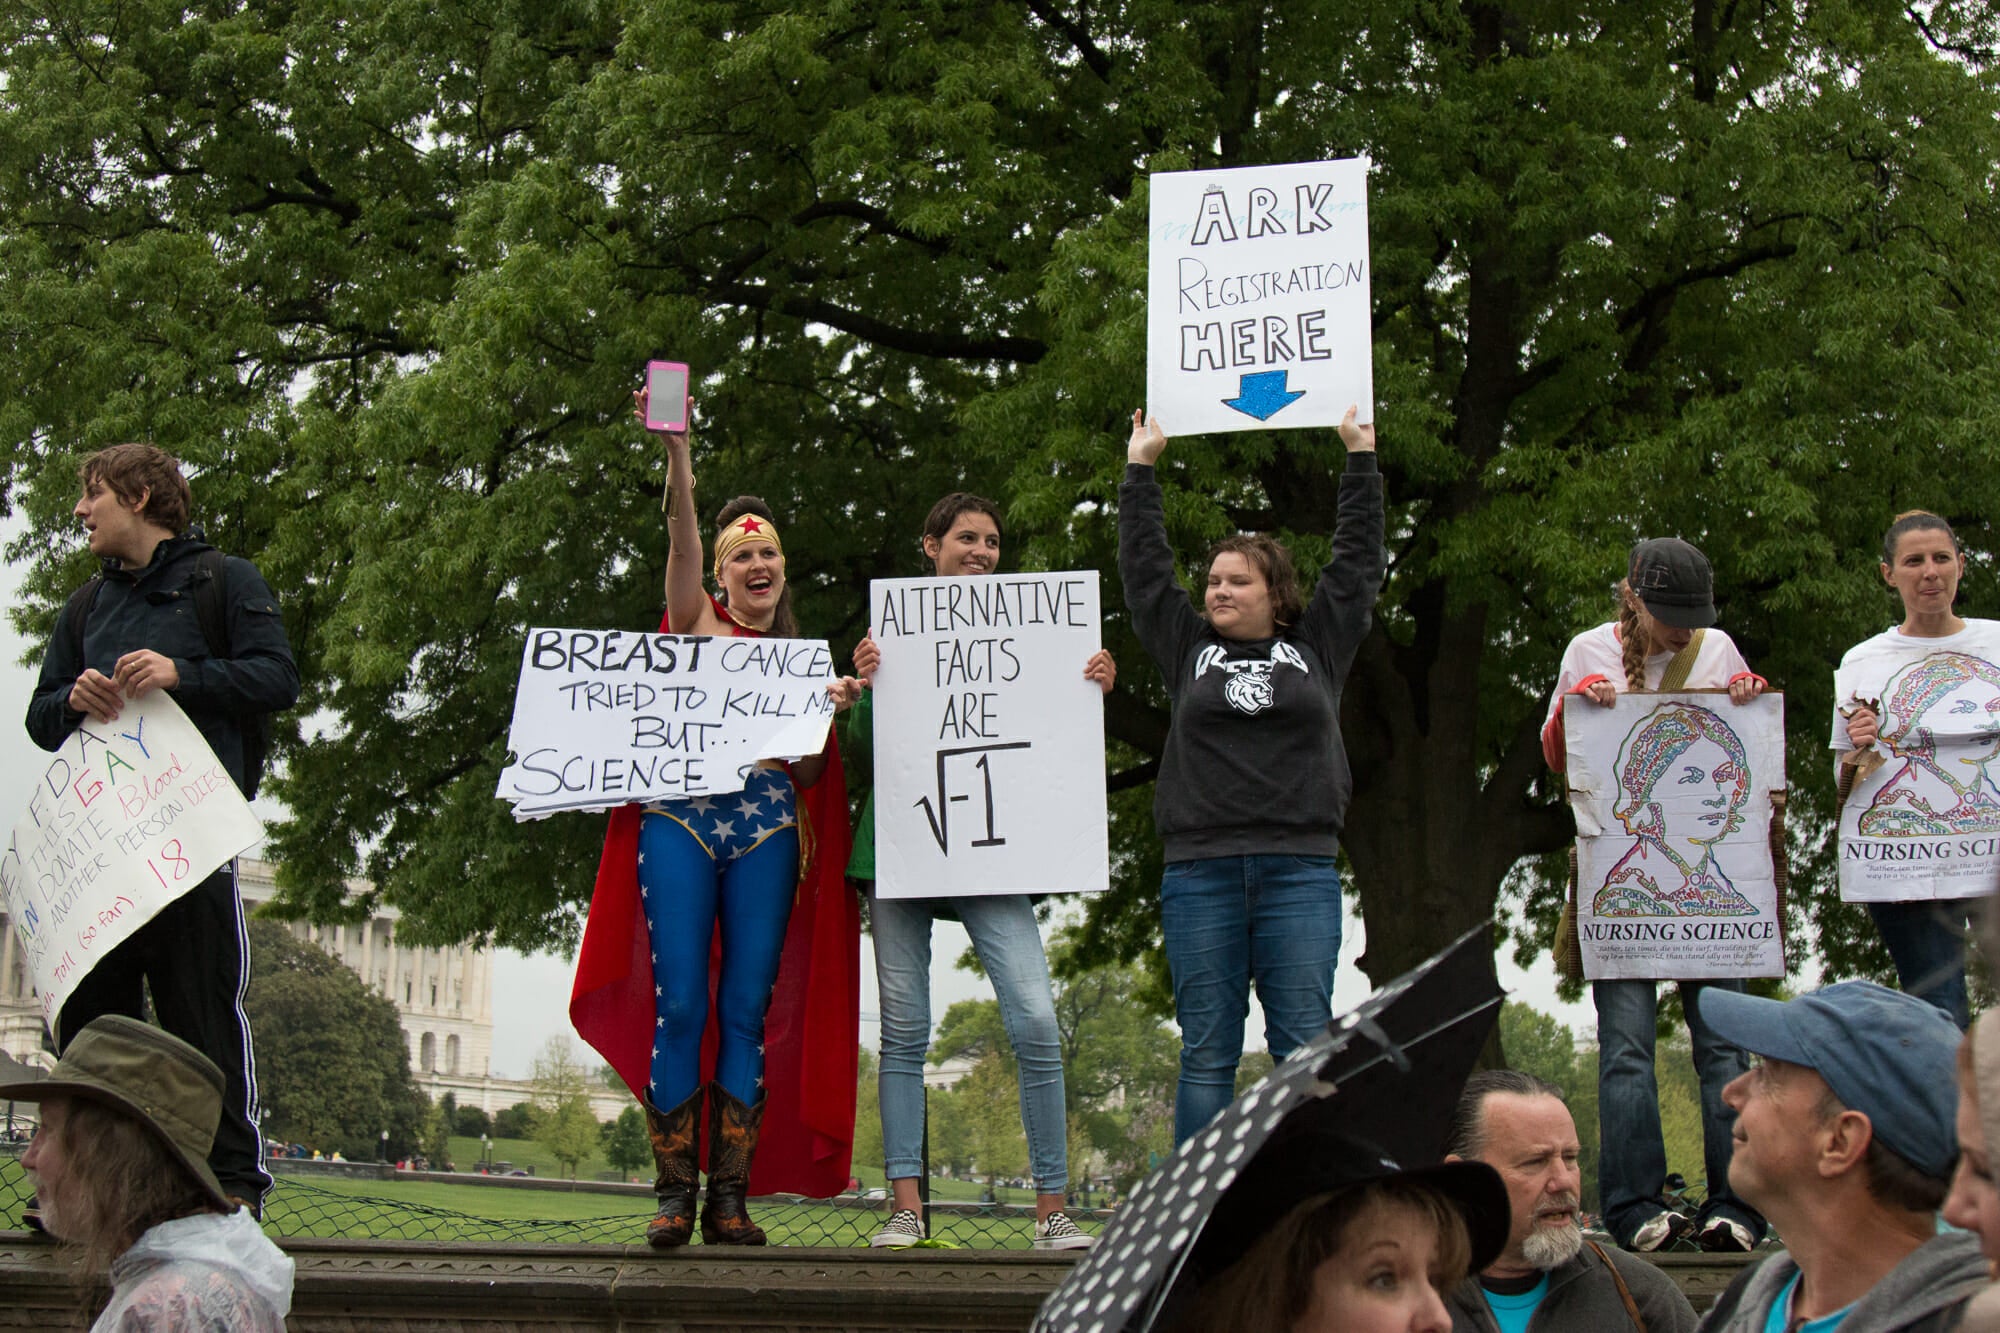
1663	640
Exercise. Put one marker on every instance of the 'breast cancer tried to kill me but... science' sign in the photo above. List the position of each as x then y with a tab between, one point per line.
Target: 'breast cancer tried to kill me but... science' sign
605	717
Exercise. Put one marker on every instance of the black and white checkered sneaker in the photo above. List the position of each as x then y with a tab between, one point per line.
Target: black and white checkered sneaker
904	1227
1057	1232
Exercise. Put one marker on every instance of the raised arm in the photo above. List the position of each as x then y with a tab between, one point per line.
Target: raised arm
1161	614
688	610
1344	598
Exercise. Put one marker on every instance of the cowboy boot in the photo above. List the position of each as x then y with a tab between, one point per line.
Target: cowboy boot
676	1137
732	1142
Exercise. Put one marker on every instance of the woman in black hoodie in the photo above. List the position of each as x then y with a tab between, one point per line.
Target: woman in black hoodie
1253	782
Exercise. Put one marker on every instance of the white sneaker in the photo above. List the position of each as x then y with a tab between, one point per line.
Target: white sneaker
904	1227
1724	1235
1660	1232
1057	1232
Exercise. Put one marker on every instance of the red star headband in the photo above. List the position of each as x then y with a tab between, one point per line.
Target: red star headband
740	531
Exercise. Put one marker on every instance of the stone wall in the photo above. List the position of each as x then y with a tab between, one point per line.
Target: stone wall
348	1286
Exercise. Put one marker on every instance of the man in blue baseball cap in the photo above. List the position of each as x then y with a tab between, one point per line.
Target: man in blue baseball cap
1845	1139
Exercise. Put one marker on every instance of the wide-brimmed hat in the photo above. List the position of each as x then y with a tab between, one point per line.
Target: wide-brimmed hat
1674	581
150	1075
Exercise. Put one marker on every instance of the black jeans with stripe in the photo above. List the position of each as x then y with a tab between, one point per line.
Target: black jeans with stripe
194	958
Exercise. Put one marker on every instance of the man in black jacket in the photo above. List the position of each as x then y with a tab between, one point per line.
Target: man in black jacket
1549	1279
141	630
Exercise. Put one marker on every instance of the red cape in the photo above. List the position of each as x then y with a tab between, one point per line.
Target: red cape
812	1033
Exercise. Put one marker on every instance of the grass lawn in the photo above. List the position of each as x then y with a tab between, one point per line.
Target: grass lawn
526	1154
426	1210
334	1207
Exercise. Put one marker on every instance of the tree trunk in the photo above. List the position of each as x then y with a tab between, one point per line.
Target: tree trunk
1435	823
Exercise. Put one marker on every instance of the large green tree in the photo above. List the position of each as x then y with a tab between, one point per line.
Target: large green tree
567	1127
1120	1062
385	272
333	1066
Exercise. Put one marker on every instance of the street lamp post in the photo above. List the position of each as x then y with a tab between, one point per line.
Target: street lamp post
385	1146
485	1154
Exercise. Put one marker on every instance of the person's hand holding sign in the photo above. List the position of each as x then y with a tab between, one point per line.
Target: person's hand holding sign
1148	440
142	670
96	694
1357	438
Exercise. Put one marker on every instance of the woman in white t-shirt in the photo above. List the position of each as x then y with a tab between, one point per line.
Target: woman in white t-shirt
1921	560
1666	600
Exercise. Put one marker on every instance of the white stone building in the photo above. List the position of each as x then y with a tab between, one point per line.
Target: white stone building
444	998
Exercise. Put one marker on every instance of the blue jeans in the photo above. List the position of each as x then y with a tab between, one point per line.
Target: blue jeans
1927	940
1228	919
1009	944
1632	1160
688	889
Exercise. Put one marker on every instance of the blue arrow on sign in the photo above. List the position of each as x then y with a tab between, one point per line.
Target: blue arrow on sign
1263	395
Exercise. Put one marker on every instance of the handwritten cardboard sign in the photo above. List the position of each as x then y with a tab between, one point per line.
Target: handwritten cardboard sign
989	742
605	717
1257	311
1672	794
126	817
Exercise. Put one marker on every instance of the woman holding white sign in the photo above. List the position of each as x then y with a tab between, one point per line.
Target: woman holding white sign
1932	679
1663	641
962	538
1254	782
685	876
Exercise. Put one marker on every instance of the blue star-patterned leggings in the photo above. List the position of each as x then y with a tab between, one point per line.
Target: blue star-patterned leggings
728	859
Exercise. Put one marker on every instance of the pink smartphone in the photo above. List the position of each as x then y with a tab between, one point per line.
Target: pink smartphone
666	395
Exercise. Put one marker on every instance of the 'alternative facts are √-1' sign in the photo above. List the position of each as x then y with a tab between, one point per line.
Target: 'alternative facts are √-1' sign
126	817
989	741
1257	310
607	717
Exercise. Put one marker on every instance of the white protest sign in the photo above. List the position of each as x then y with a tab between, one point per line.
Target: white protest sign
1257	310
989	742
1926	824
605	717
126	817
1672	794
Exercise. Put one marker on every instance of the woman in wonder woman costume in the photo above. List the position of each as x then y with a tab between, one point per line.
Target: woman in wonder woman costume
704	895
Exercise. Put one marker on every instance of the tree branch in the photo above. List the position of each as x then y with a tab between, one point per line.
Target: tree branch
1072	31
946	346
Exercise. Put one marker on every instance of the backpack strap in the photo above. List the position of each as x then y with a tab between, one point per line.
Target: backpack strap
211	600
76	611
1681	665
1624	1292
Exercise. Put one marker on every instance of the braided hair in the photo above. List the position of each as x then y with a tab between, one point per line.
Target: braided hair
1632	636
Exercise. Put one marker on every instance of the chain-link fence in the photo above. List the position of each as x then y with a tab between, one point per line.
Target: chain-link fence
477	1211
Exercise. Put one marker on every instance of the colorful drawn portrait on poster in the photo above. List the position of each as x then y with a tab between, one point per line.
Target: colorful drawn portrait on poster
1684	758
1676	799
1941	728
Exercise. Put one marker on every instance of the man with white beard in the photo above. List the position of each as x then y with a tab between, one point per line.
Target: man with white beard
1549	1279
